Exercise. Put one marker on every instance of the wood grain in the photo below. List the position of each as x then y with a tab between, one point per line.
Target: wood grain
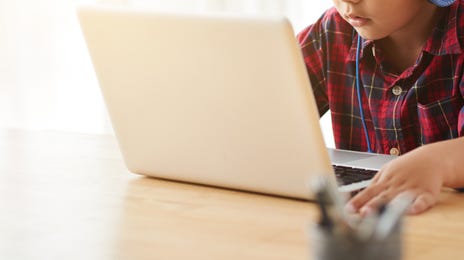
69	196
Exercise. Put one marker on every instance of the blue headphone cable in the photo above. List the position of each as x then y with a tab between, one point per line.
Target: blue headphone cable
358	90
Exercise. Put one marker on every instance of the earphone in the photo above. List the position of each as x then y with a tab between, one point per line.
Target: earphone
358	91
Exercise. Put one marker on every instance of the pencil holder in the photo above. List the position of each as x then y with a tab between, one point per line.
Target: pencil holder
345	245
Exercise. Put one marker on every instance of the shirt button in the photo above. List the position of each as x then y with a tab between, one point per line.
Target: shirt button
394	151
397	90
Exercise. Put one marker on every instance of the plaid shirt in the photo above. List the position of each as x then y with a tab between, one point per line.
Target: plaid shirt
422	105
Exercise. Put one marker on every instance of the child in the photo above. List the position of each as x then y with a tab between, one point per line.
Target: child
391	73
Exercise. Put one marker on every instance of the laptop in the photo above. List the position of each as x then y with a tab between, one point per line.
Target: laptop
213	99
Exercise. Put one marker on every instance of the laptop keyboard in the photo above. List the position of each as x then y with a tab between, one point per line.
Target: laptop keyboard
347	175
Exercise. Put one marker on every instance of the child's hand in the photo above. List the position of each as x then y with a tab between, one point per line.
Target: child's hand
418	172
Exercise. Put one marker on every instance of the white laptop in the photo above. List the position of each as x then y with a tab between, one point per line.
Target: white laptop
217	100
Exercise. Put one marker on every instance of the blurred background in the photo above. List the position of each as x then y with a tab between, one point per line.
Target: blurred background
46	76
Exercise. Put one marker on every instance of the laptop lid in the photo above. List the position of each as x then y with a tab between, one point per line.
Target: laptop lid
211	99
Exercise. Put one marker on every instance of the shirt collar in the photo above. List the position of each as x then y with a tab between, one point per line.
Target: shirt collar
444	39
365	44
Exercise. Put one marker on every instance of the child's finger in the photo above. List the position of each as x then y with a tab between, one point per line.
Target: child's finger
422	203
363	197
373	205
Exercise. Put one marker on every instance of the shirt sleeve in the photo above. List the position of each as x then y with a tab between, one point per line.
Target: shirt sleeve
461	112
311	41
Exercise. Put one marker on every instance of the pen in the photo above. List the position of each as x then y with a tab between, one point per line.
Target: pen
392	215
368	224
325	221
330	204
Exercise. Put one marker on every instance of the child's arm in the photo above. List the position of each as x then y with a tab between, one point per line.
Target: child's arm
423	172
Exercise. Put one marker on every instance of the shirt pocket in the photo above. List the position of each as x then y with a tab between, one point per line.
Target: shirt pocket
439	119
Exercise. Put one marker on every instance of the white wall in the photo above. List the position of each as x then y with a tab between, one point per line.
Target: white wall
46	77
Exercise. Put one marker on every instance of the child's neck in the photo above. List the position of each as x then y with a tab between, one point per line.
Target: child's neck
403	47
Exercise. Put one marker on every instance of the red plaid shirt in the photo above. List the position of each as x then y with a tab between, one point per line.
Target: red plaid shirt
422	105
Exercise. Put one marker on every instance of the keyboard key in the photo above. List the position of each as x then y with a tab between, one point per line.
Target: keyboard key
347	175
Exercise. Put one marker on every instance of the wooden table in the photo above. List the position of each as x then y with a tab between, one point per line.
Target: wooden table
69	196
